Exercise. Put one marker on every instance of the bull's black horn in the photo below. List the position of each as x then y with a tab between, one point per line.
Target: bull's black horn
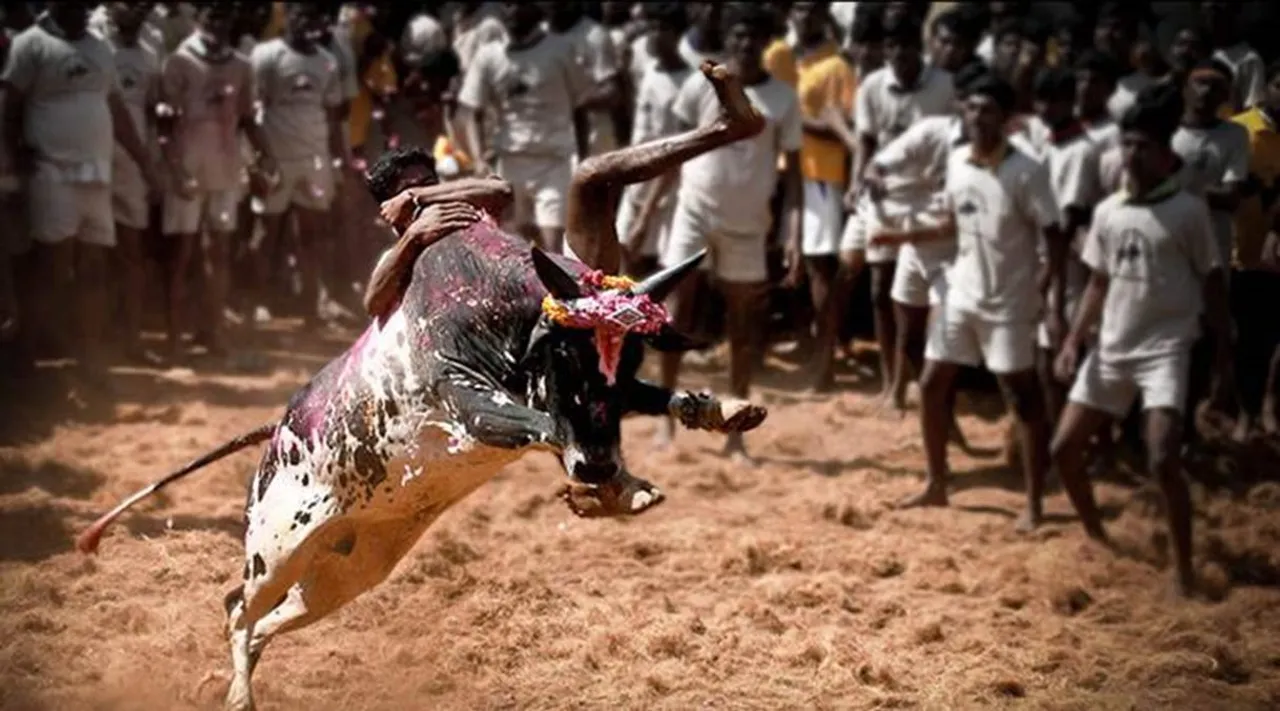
559	282
659	286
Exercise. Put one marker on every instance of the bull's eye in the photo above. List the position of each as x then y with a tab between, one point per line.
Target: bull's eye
599	412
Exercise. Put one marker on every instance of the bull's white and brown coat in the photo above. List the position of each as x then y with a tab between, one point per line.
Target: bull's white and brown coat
423	409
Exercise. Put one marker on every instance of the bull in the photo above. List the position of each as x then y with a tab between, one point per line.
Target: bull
493	350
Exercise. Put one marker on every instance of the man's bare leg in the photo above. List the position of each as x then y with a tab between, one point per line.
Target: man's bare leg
269	279
910	325
1163	435
217	279
743	323
91	285
1076	426
827	292
936	383
1269	418
681	305
314	247
185	247
132	264
886	330
598	182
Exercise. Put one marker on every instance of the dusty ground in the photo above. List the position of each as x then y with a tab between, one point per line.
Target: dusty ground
788	587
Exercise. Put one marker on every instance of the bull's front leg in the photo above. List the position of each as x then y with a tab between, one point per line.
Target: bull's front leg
493	418
696	411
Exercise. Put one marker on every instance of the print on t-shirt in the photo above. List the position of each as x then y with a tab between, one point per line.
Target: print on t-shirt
1130	260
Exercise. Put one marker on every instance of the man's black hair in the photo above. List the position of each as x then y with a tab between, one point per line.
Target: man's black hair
958	23
760	17
667	14
965	76
383	179
1156	111
868	28
1054	84
904	28
1100	63
998	89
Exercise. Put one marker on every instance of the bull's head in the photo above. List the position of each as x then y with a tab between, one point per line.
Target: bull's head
585	351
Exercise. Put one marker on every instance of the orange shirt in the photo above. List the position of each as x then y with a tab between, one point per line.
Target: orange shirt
821	78
1264	164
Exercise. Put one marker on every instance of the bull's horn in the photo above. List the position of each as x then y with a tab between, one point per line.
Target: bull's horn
558	281
659	286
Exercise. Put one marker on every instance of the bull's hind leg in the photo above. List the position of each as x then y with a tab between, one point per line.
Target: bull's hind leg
598	182
351	556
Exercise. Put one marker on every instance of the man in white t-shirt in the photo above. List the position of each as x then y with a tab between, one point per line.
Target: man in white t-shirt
723	203
1000	206
911	172
1154	269
1214	151
64	114
1222	19
209	88
644	217
138	71
300	90
595	52
535	88
1072	159
888	101
1096	75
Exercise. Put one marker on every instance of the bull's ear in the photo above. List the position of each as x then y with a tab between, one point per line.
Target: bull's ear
558	281
669	340
659	286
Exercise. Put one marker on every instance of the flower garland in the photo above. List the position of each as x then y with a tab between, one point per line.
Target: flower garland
612	312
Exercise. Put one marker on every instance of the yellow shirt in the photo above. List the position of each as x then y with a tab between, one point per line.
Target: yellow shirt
1264	164
821	78
379	77
275	26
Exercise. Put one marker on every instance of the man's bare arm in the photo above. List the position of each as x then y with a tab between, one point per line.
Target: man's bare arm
491	194
14	106
391	276
126	134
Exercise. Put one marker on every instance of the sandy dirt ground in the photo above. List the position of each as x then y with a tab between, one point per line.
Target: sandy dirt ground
789	587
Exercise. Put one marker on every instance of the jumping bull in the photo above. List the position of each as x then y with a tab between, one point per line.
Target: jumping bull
495	349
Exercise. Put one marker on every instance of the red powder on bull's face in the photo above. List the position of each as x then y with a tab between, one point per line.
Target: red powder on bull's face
612	312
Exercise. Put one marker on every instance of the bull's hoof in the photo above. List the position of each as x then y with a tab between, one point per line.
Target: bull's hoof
624	495
741	416
701	411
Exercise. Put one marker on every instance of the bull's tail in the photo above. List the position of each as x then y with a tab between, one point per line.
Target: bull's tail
87	542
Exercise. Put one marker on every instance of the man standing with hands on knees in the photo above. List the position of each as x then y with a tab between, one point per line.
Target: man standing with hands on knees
999	206
1155	266
888	101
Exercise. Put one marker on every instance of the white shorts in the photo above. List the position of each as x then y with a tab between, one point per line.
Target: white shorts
306	183
856	233
963	338
823	211
540	185
1111	387
918	281
215	210
659	225
736	258
61	210
129	194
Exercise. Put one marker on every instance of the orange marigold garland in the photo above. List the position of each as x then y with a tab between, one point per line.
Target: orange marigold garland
612	312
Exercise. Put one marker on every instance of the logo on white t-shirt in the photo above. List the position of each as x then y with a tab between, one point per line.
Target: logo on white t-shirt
1130	254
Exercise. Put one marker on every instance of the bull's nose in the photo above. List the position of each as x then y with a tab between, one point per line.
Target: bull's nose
594	472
